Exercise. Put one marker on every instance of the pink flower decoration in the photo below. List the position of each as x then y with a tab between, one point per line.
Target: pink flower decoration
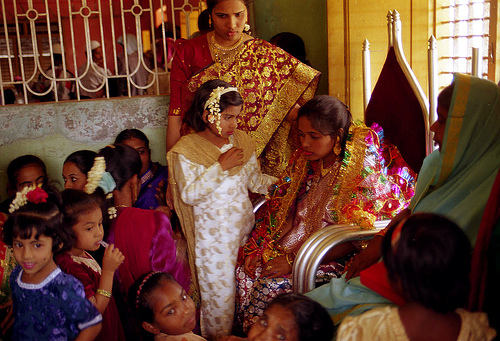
37	196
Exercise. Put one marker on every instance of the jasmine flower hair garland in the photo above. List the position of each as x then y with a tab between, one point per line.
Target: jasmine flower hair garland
98	177
33	193
212	105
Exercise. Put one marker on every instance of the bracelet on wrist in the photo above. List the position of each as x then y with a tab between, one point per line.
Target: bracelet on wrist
104	293
289	259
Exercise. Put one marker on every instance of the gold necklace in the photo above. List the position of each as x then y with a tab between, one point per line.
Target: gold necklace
327	170
225	55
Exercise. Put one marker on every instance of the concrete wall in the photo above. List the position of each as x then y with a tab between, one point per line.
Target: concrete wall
52	131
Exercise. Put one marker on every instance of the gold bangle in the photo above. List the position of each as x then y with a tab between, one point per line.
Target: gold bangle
104	293
290	262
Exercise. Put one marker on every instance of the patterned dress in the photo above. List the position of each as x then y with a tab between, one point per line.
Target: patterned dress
55	309
88	272
223	216
153	182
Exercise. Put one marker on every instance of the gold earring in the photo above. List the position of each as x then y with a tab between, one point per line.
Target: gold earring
246	28
337	149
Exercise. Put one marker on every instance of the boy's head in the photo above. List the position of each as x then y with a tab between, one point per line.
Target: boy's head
428	260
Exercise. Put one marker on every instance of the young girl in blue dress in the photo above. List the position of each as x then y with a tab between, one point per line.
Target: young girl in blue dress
48	304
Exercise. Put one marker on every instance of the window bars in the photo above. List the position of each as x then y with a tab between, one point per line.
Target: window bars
463	29
49	48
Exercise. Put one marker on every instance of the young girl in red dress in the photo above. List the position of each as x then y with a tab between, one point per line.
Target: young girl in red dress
83	222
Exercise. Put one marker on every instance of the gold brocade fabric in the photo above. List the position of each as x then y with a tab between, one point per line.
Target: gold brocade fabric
199	150
271	83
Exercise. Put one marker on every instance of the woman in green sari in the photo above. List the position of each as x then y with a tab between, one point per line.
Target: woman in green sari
455	181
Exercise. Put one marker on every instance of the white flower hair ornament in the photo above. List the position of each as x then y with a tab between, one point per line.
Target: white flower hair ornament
212	105
98	177
33	193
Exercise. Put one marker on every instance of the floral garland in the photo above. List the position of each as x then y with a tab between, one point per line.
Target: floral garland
33	193
212	105
94	175
98	177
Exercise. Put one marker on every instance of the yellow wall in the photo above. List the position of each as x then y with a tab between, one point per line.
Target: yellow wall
351	22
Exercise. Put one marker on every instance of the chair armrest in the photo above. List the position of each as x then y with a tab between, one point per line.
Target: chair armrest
319	244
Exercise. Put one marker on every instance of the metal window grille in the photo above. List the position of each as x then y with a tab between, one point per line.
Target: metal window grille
30	29
463	25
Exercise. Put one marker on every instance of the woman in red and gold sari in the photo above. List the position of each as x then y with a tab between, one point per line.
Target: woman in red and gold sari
271	82
344	173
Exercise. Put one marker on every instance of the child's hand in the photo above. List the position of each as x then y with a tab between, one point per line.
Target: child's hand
232	158
112	259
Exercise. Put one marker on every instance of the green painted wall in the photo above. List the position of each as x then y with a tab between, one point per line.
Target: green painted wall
306	18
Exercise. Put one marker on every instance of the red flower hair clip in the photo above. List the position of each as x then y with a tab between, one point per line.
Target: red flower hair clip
33	194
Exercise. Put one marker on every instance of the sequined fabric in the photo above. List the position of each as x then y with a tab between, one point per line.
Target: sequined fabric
253	296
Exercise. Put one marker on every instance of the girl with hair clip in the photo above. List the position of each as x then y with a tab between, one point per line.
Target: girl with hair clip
428	261
48	304
212	171
75	168
83	223
345	173
143	236
163	308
